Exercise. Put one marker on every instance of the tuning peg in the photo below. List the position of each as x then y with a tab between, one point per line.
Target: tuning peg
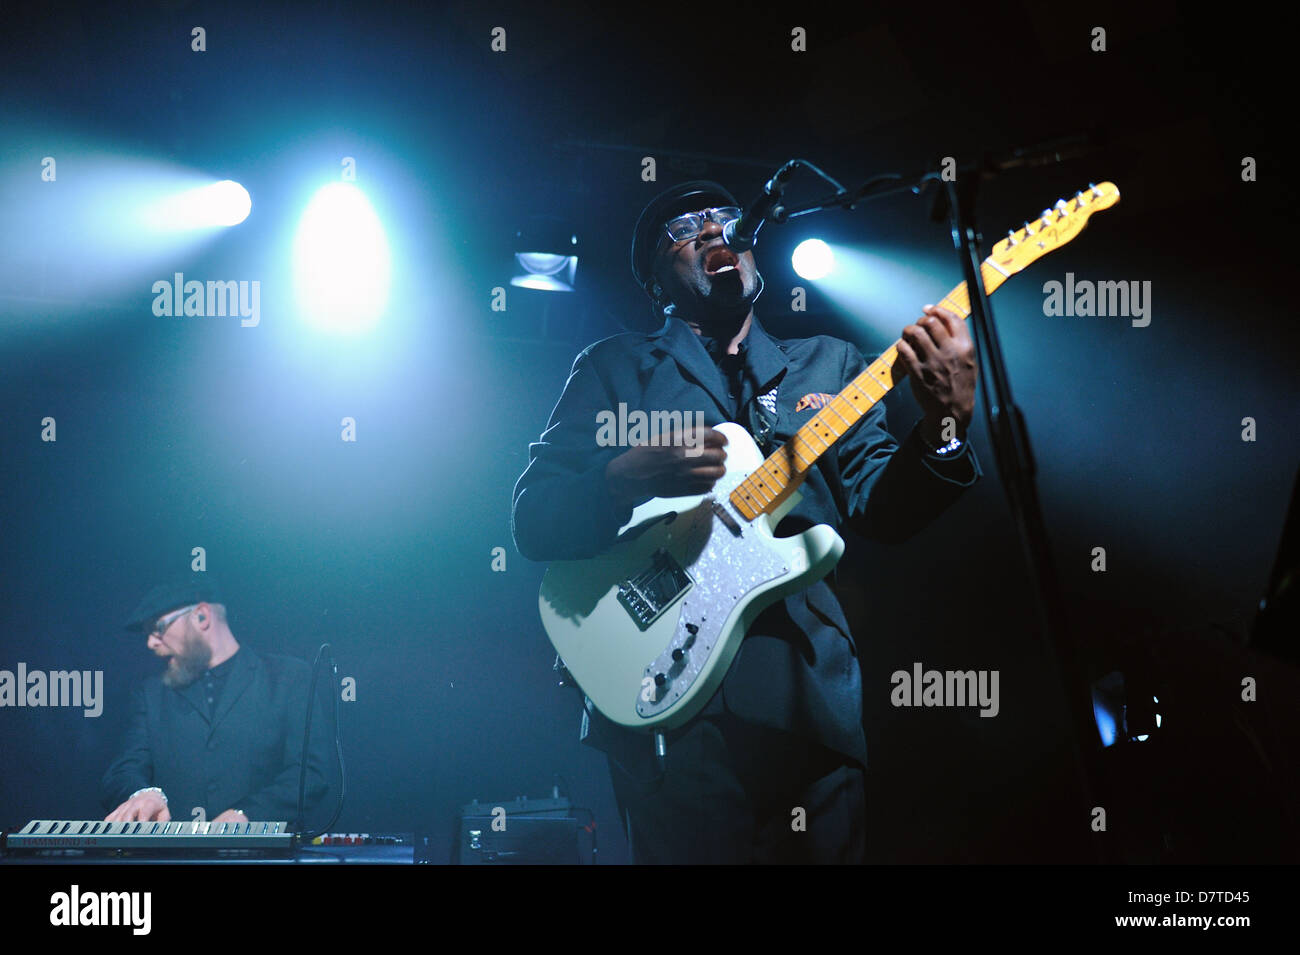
1028	230
1062	210
1095	191
1011	237
1078	199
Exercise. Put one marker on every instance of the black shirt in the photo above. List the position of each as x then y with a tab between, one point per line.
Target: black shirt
214	682
758	416
731	366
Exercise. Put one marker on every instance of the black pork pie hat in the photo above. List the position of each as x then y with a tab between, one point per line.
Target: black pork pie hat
685	197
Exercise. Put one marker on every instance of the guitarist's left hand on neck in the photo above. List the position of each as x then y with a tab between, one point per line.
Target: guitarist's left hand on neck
939	357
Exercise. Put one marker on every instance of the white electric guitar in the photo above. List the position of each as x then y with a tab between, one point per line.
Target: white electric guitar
649	628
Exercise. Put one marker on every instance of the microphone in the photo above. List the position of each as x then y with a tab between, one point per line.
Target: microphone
740	234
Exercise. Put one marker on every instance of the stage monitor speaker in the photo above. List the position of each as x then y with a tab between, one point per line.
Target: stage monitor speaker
521	831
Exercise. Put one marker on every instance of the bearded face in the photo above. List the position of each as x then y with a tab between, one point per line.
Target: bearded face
189	662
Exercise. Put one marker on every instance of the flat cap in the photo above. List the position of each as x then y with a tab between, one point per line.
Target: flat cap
181	591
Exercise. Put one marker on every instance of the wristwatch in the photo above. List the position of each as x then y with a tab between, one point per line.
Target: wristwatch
948	450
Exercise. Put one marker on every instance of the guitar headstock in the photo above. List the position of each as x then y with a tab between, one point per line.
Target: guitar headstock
1055	227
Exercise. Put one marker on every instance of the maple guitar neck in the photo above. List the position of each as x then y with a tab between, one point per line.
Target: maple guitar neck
784	470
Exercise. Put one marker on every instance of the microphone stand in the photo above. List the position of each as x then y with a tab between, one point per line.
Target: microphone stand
1016	467
1006	425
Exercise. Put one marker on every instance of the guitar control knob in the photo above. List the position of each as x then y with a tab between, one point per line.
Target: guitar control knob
660	679
677	653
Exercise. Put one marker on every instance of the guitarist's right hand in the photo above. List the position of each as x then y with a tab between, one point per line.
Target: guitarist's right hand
647	471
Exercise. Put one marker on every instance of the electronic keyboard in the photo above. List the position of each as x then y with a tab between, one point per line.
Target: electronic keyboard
151	836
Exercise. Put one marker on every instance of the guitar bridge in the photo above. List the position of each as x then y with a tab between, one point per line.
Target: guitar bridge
647	595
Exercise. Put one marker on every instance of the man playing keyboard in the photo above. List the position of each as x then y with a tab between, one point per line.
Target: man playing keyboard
219	734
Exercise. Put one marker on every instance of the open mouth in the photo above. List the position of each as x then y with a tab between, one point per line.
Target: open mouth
719	260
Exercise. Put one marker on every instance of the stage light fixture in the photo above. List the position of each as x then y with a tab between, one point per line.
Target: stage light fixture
1119	713
342	268
218	204
547	251
813	259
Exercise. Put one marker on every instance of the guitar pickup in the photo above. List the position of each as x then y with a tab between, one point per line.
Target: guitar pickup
647	595
728	521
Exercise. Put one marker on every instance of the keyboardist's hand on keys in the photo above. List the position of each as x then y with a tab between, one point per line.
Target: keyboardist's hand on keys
146	807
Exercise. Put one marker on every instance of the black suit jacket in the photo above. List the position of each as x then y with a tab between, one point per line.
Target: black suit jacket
247	757
797	669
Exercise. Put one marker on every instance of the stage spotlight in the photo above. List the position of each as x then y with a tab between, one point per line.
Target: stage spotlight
341	261
224	203
547	251
813	259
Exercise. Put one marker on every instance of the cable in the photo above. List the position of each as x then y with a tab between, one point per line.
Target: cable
591	816
300	820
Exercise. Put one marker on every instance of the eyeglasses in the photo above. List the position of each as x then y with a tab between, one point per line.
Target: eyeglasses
688	226
162	624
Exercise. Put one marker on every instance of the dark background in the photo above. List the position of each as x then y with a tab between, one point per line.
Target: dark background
175	433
